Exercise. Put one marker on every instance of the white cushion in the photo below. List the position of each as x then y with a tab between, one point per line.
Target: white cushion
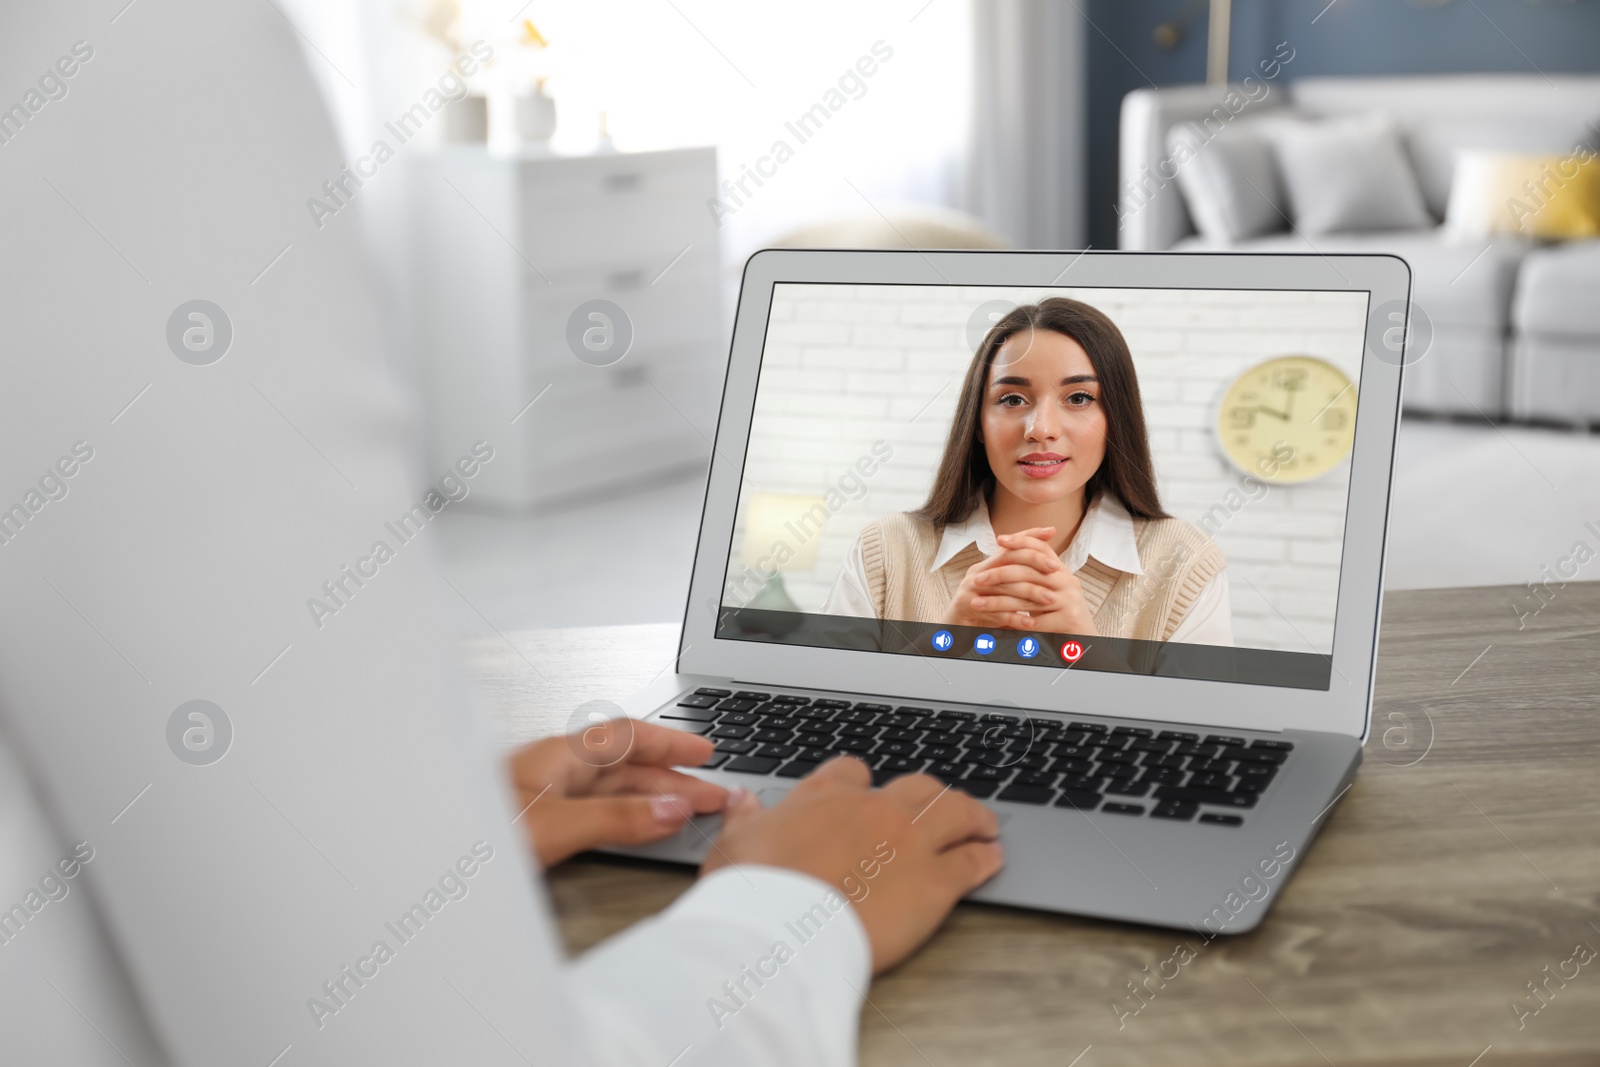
1229	180
1437	147
1442	114
1347	174
908	226
1458	283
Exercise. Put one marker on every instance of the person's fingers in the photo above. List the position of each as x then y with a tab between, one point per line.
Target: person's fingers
537	761
1001	620
571	826
987	563
742	806
914	791
573	763
952	817
661	746
560	764
966	867
1035	554
1027	538
1030	551
1040	595
1014	573
598	745
846	771
701	795
1031	555
1042	533
998	604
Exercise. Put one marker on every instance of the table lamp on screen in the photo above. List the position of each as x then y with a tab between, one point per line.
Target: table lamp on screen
781	531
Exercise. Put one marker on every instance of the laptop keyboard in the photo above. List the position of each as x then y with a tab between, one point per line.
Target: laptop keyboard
1008	756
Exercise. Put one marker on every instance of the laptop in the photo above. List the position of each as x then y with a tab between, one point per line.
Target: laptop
1225	446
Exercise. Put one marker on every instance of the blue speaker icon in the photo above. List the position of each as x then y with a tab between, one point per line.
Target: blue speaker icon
943	640
1028	647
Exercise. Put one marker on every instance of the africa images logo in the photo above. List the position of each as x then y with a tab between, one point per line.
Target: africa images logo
199	332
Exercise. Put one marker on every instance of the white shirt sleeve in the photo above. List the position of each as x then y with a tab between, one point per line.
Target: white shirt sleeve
1210	620
181	533
849	594
55	959
754	965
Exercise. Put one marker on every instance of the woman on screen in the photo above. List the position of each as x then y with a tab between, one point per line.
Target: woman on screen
1044	514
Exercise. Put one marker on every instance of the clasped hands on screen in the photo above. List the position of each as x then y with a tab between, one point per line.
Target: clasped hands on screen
614	784
1024	586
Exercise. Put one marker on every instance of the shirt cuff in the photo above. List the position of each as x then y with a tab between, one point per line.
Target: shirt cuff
753	966
805	910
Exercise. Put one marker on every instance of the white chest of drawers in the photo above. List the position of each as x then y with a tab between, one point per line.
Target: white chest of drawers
507	249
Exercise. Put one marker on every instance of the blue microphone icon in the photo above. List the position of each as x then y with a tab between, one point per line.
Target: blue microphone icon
1027	648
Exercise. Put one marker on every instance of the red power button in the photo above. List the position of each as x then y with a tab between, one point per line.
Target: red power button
1072	652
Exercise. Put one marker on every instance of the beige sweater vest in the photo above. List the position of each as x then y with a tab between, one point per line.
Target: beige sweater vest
1178	559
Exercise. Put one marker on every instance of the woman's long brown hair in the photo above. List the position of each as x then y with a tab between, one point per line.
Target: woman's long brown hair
964	475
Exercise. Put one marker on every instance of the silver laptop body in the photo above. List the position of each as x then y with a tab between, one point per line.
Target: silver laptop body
1289	703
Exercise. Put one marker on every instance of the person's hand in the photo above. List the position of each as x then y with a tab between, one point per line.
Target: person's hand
609	784
1025	586
940	844
1002	590
1063	609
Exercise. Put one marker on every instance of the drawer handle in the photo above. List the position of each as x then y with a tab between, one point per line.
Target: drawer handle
625	279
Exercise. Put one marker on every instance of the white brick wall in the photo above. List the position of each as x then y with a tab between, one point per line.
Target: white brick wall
845	366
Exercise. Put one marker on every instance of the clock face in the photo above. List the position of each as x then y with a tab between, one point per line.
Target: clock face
1288	420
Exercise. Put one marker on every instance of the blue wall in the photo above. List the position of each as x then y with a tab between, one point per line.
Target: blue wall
1351	37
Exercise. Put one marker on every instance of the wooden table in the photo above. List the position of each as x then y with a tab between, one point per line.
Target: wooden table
1463	862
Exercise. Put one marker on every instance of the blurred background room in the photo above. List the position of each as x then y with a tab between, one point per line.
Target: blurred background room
559	199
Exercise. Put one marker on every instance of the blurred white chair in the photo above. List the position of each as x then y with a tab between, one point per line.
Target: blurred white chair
908	227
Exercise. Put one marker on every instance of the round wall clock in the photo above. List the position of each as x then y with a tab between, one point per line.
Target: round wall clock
1290	419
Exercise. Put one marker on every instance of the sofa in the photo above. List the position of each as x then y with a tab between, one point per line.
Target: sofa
1515	320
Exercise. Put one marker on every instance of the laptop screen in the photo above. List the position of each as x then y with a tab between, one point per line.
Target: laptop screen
1148	481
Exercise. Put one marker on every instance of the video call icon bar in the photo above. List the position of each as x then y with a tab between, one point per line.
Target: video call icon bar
1057	651
1026	647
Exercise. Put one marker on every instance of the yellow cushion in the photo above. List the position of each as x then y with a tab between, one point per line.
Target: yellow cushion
1551	197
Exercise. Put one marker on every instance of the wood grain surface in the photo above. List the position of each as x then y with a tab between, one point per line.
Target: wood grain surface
1463	862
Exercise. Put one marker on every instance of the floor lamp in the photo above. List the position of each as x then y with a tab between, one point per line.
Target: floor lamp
1221	23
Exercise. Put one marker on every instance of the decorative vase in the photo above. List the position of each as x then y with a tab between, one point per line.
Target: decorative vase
535	116
466	121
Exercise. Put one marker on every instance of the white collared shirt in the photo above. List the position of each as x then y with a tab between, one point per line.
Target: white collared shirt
1106	533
